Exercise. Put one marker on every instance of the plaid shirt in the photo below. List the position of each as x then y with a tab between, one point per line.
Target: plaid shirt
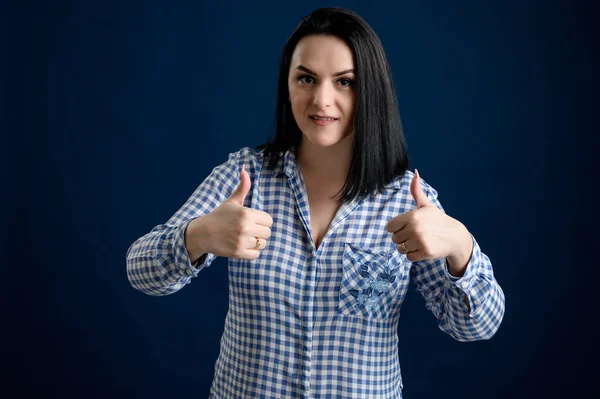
308	323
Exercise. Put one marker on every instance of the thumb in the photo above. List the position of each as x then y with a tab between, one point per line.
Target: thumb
242	190
415	189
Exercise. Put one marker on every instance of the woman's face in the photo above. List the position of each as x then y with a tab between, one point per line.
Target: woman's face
321	85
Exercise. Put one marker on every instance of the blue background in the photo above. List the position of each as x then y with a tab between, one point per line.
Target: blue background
114	112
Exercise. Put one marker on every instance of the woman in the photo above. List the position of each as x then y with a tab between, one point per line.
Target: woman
324	228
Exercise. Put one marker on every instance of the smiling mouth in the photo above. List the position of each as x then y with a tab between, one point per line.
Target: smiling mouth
317	118
322	122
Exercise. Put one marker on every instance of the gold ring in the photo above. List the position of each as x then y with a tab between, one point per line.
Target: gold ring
403	245
257	243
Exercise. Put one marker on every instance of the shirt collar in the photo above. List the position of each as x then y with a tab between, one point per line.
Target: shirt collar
289	165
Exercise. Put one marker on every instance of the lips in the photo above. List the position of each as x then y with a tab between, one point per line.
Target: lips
322	121
322	117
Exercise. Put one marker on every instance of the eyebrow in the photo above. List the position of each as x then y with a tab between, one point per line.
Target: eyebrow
305	69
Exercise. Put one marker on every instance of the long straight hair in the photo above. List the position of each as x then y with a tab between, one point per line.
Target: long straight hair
379	151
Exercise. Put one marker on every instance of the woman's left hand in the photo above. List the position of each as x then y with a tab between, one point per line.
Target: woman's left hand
428	233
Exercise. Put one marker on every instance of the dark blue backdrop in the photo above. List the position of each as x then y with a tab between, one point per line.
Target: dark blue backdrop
116	111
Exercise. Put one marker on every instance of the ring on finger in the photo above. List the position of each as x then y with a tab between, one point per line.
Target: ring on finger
257	243
403	246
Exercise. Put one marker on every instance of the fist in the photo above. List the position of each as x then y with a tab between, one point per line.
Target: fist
233	230
425	233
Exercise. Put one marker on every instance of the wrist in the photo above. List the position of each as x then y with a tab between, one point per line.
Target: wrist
193	242
459	259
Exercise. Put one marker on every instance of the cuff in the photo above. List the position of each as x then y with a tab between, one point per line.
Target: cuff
468	283
182	257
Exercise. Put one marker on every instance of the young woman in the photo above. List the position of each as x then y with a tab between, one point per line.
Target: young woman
324	228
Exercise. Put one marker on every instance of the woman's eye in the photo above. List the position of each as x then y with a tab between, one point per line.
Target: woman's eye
306	79
346	82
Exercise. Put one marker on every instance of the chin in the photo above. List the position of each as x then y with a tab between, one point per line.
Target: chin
323	139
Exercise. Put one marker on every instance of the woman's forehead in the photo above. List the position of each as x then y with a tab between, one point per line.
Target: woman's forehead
322	54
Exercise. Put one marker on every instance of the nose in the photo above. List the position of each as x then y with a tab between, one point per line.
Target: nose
323	96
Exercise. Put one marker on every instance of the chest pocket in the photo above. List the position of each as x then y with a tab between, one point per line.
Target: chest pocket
370	282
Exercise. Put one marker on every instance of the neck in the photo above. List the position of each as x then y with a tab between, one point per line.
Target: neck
328	164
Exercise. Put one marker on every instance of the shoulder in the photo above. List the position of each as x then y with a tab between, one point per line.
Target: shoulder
246	154
253	160
401	184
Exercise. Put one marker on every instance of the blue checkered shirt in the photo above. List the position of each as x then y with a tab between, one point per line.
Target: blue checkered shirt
315	323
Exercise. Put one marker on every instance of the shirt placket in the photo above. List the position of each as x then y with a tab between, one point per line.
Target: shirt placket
311	271
308	291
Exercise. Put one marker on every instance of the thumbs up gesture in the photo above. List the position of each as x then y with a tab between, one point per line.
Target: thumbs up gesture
427	233
231	230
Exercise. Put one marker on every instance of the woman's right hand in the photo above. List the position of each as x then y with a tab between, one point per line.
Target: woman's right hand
231	230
